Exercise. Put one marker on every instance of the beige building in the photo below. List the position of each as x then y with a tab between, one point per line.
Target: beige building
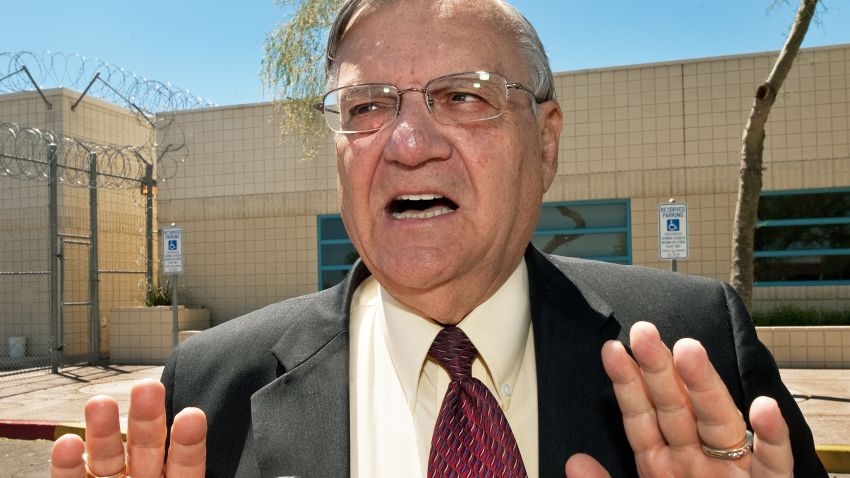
261	222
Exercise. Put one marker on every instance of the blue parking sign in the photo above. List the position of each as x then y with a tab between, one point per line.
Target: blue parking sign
673	225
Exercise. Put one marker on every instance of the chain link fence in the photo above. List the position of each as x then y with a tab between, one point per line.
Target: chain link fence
77	214
24	275
54	306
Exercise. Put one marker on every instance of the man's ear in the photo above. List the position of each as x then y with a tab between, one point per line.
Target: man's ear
549	123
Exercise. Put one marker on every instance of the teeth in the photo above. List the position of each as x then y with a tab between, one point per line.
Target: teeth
419	197
422	214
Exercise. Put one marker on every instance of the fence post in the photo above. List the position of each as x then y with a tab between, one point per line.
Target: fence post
149	226
53	222
94	278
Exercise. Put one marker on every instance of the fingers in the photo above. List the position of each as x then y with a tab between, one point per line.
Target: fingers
146	426
673	399
146	429
584	466
639	418
772	455
719	421
104	444
187	454
665	388
679	400
66	457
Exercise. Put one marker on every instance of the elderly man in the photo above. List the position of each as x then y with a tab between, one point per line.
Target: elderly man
454	348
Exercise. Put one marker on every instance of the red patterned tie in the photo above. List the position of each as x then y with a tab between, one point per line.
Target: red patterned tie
472	437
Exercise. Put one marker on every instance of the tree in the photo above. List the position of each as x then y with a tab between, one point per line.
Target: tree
294	66
750	180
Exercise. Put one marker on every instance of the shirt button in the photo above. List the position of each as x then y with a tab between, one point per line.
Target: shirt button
506	390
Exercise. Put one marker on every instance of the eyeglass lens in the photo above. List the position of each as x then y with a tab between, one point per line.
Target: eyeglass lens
453	99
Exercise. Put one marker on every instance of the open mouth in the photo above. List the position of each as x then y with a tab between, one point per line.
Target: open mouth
420	206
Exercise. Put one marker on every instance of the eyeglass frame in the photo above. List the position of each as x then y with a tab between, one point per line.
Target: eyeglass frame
320	106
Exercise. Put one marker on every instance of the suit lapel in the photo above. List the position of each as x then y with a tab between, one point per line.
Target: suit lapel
577	411
300	420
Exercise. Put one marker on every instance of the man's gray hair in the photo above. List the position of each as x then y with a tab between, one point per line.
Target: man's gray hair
508	17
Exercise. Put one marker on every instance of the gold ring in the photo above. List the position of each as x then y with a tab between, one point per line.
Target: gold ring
122	473
733	453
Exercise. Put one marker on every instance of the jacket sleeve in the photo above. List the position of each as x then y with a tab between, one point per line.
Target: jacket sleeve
760	377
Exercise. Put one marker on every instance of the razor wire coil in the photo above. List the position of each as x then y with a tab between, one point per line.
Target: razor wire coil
23	150
24	155
76	71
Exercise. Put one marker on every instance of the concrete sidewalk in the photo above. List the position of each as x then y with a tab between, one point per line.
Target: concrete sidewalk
40	405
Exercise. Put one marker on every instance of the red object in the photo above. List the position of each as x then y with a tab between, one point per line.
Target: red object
472	437
27	430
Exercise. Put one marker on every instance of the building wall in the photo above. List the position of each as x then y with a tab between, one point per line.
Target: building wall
248	202
673	130
248	199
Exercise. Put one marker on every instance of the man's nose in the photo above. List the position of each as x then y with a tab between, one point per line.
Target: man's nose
416	136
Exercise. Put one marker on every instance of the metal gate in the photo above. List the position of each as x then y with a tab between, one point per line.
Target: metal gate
75	317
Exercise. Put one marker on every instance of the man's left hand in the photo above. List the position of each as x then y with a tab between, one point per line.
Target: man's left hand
673	404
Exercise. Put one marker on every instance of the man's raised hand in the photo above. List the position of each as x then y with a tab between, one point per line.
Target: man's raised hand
144	455
673	404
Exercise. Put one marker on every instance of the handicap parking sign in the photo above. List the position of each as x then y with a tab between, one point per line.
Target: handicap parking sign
673	231
172	250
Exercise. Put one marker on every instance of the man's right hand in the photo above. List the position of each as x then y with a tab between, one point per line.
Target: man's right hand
145	449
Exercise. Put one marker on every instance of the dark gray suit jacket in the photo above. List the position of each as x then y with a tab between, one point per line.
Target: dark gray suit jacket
274	383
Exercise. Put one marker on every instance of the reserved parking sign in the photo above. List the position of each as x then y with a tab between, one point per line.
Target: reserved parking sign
172	250
673	231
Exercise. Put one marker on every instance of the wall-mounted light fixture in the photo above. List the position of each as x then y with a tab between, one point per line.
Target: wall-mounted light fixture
148	188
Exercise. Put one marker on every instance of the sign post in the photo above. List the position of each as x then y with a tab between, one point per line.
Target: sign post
673	232
172	264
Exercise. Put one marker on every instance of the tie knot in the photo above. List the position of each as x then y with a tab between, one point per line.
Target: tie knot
454	351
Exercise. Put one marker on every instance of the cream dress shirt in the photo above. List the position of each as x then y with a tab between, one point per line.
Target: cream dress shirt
396	390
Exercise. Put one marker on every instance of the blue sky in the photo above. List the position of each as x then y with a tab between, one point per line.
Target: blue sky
214	48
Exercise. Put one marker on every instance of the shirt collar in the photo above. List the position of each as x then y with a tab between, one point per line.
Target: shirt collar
498	328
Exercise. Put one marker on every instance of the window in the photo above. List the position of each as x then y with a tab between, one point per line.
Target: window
336	253
803	238
589	229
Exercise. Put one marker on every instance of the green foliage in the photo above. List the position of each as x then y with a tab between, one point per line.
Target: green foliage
159	293
293	67
792	315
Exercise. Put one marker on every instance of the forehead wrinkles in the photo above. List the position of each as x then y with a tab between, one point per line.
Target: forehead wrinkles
491	13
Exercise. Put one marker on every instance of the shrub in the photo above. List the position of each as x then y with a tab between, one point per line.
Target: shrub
792	315
159	293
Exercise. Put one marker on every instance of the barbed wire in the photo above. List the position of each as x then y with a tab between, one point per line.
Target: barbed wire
24	155
74	71
23	150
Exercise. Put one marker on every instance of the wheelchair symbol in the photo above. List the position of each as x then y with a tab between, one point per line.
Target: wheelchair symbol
673	225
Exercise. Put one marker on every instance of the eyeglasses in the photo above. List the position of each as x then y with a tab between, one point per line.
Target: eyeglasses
454	99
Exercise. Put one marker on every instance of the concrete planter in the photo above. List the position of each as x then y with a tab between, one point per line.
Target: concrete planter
808	347
142	335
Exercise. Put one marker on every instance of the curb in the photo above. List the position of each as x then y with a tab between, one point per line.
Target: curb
835	458
39	430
